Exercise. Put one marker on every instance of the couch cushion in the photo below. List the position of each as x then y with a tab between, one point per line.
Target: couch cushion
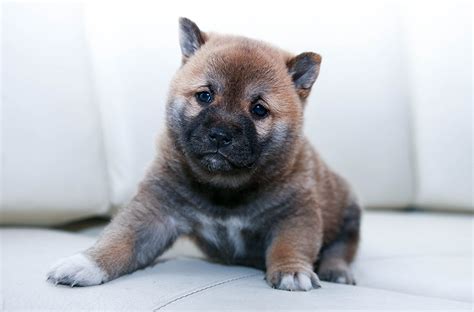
422	253
442	103
398	267
178	284
53	162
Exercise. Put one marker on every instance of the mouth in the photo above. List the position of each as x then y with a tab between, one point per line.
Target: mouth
216	162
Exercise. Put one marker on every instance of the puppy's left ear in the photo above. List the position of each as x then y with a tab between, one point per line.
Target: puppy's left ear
304	69
191	38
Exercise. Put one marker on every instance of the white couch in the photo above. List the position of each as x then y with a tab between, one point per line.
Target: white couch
84	87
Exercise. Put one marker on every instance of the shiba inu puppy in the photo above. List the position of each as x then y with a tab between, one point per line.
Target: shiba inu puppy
235	173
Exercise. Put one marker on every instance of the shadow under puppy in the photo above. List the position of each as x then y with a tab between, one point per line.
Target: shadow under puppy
235	173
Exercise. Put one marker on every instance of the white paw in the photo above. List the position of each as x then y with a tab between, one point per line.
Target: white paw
295	281
76	270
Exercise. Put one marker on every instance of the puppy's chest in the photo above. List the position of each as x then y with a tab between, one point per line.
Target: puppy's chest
233	239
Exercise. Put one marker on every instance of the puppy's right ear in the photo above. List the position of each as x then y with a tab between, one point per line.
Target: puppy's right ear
191	38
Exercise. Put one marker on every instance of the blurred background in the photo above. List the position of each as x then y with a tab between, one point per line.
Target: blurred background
84	86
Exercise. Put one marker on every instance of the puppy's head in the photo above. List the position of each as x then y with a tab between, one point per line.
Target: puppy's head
235	106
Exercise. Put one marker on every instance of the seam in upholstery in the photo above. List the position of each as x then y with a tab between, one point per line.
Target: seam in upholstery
97	101
230	280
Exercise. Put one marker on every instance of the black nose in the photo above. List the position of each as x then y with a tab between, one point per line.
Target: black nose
220	137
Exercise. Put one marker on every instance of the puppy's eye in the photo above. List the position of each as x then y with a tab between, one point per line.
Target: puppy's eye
259	110
204	97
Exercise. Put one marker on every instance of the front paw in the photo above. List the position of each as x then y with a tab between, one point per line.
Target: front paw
76	270
302	280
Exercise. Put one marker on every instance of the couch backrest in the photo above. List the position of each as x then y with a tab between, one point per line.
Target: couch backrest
53	160
84	89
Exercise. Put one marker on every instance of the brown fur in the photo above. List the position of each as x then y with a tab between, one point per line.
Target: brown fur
278	207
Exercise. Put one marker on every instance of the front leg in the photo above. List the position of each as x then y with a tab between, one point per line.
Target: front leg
293	250
135	237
